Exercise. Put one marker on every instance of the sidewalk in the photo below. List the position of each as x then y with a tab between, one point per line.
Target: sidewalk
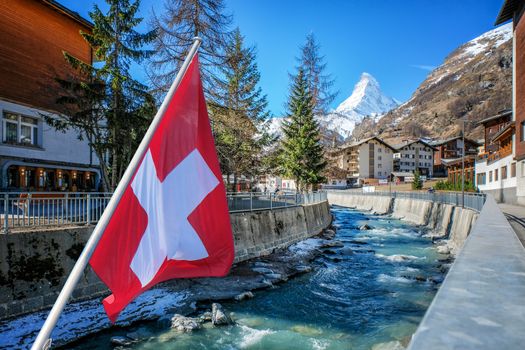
515	214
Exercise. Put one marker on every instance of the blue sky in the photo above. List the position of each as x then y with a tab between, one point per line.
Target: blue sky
397	41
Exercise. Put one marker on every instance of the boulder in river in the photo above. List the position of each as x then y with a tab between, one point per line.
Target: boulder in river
219	317
245	295
184	324
365	227
443	249
346	251
121	341
332	244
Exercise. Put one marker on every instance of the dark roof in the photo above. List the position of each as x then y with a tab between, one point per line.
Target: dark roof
357	143
71	14
441	142
507	11
452	161
401	145
501	114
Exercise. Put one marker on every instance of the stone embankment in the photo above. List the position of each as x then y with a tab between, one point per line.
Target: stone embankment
36	264
443	220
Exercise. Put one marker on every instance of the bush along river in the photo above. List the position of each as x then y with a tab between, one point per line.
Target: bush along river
366	288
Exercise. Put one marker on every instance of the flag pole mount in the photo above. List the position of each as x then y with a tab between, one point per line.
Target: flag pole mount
43	340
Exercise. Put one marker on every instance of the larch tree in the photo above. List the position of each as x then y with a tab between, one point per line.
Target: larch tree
122	105
177	25
319	82
239	111
302	157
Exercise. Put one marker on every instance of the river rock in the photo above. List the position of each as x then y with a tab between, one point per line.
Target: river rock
243	296
358	242
206	317
346	251
365	227
263	270
121	341
332	244
303	268
184	324
219	317
443	249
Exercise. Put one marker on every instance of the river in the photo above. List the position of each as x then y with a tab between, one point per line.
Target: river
376	295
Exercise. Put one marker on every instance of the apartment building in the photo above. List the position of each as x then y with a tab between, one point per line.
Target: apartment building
412	156
33	155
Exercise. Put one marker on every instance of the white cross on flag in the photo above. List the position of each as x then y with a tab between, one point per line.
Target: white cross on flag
173	220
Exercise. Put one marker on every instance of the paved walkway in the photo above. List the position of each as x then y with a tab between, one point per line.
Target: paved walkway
480	305
515	214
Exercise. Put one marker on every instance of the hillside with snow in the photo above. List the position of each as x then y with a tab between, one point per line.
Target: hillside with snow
474	82
366	100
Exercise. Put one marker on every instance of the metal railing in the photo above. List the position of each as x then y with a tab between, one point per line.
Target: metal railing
474	201
20	210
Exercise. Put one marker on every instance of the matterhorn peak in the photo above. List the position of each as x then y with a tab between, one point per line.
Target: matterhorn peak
367	98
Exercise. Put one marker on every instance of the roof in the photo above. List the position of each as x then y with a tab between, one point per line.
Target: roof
69	13
360	142
500	134
402	174
505	113
441	142
401	145
452	161
507	11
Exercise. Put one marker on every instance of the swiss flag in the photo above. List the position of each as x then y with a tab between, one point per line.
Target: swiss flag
173	220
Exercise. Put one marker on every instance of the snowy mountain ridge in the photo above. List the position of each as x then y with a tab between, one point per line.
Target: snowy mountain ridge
366	99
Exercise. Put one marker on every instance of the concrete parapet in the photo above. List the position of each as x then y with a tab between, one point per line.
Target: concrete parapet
480	304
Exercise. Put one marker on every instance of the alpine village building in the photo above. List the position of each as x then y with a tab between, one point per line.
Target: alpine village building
33	155
514	10
414	156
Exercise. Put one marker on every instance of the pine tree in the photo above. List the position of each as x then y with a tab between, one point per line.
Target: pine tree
177	25
239	111
417	184
302	156
121	100
319	83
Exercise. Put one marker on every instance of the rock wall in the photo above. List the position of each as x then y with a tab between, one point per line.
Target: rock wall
443	220
35	265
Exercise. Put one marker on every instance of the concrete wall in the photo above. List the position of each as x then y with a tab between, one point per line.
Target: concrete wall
480	304
444	220
35	265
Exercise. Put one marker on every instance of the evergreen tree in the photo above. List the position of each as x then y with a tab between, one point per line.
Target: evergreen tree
319	83
121	101
177	25
417	184
239	111
302	156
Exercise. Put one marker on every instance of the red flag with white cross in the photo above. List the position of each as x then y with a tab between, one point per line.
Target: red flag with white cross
173	220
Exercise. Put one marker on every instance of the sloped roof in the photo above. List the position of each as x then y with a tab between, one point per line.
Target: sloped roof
360	142
69	13
507	11
441	142
401	145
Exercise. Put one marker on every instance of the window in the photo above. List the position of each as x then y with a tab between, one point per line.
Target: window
522	131
503	172
481	178
379	157
496	175
19	129
379	166
513	170
490	176
379	150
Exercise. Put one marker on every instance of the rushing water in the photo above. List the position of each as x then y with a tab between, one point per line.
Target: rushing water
351	301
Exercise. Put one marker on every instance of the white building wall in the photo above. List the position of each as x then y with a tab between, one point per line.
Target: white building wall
520	182
363	161
424	154
483	167
53	145
383	160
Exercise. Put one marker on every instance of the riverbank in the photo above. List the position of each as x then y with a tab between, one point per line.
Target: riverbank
366	288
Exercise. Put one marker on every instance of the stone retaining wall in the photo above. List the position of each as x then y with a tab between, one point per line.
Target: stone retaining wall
35	265
444	220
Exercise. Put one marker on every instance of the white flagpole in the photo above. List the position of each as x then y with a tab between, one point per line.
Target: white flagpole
43	340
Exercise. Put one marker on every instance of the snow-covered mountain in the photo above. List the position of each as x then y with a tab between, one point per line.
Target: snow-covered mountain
366	99
473	82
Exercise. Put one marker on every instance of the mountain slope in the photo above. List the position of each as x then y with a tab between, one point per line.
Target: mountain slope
474	82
